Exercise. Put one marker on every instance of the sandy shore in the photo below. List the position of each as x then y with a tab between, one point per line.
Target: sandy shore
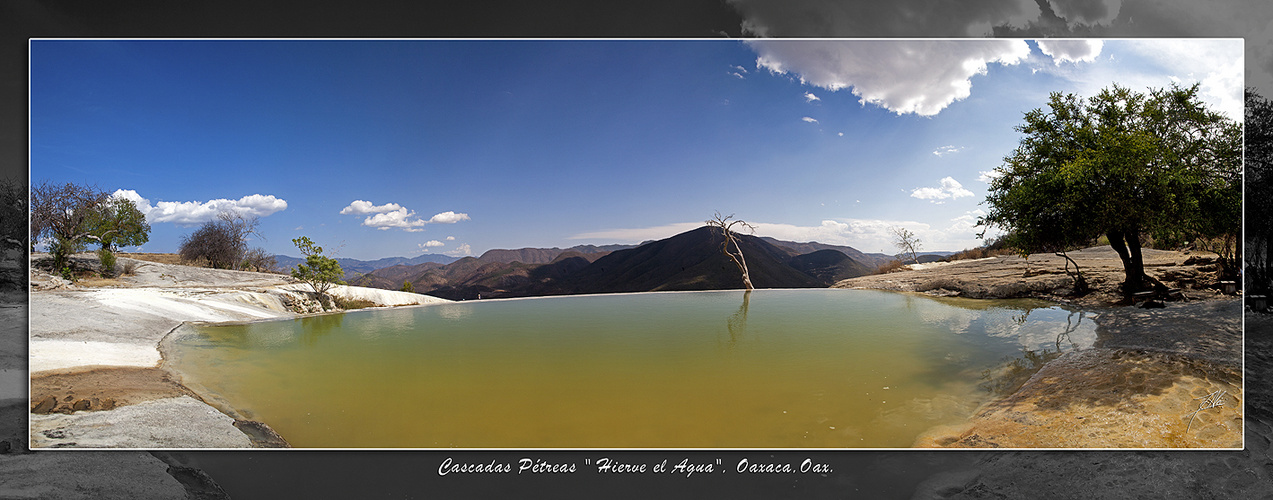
96	370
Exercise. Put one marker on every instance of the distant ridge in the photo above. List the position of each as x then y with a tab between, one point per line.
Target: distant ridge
688	261
354	267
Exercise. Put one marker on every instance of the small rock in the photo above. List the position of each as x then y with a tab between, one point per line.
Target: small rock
45	405
81	405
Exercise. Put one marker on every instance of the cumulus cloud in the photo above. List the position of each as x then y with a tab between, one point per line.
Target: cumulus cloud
1023	19
988	176
809	120
400	218
463	250
1071	50
1216	65
424	247
359	207
949	189
450	238
395	216
945	150
195	212
912	76
809	97
448	217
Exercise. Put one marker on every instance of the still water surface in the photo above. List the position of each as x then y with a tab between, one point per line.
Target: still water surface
769	369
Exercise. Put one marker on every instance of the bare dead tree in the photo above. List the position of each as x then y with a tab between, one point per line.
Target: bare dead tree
906	242
727	226
222	242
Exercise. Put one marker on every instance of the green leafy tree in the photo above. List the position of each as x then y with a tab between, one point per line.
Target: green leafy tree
318	271
118	223
115	223
408	287
59	215
1120	164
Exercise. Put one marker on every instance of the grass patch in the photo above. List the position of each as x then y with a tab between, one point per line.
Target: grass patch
162	258
348	304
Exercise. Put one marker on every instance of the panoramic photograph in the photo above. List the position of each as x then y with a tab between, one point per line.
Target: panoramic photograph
636	244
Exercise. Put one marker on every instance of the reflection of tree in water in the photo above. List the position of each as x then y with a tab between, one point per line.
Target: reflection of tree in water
313	327
737	322
1014	372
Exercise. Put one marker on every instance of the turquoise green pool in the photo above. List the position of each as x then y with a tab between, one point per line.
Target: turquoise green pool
767	369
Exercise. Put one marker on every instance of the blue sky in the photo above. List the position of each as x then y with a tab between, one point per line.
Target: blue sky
396	148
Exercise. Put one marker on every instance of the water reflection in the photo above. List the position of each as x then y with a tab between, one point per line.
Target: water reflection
1015	371
315	327
737	322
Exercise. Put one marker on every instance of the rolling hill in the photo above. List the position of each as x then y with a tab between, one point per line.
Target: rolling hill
687	261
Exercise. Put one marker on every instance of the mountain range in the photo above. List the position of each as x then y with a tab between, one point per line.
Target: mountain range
688	261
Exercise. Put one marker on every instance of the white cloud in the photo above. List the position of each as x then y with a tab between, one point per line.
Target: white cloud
400	218
448	217
450	238
393	215
945	150
912	76
1216	65
194	212
809	120
424	247
1071	50
360	207
461	251
1023	18
809	97
988	176
949	189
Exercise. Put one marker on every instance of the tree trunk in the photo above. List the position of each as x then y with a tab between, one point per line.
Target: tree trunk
1136	273
742	263
1133	264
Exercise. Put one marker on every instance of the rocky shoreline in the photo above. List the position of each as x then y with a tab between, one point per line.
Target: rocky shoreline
1149	369
97	377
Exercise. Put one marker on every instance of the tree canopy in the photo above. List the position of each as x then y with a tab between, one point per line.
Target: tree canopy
59	215
1122	164
319	271
117	222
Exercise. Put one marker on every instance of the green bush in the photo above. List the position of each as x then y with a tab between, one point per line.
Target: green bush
107	259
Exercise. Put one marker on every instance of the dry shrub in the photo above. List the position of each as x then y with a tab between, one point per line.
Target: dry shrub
347	304
891	267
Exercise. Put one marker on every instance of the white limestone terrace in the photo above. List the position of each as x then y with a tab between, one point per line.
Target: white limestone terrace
75	328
